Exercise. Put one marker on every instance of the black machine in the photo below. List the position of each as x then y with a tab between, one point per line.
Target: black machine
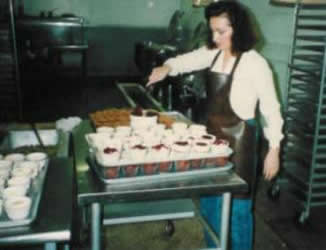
182	93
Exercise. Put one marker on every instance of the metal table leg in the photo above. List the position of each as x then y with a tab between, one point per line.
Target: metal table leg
226	206
96	226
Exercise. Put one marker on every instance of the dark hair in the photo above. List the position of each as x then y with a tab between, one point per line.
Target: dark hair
244	37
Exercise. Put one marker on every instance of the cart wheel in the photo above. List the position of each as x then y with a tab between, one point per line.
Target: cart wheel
273	192
169	228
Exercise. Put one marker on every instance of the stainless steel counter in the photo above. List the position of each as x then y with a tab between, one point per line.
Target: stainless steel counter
53	222
93	194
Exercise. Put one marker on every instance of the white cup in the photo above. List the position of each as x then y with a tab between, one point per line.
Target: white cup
15	157
18	208
19	181
11	192
5	164
31	168
39	157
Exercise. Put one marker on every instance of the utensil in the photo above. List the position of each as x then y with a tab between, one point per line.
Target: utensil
39	139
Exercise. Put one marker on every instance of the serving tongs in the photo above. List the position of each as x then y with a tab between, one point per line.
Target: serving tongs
38	137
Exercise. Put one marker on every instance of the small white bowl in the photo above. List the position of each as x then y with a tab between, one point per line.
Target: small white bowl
30	168
4	173
18	208
11	192
5	164
39	157
15	157
23	172
19	181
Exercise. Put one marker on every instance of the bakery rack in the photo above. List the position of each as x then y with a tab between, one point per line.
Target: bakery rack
304	150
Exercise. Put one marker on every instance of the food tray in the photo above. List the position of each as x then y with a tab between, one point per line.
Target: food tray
18	138
35	193
158	177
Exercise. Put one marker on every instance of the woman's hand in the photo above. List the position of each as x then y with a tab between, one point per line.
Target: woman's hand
271	163
158	74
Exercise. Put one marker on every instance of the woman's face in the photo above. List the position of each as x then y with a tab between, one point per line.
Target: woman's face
222	32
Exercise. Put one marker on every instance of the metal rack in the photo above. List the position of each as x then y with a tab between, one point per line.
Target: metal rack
10	89
304	149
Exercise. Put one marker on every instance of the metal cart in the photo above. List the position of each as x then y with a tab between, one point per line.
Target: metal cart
304	149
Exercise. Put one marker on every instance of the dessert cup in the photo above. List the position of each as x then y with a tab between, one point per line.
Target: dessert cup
16	191
19	181
15	157
165	166
130	170
18	208
112	172
182	165
150	168
5	164
40	157
138	153
108	156
30	168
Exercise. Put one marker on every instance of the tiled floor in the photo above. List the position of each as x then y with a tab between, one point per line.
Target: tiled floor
275	226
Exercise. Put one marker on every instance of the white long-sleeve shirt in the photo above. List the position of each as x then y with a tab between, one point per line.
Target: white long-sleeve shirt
252	83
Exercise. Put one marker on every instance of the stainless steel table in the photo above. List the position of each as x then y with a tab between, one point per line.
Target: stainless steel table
54	220
94	194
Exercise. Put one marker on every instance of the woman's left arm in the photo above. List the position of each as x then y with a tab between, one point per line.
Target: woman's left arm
271	163
273	121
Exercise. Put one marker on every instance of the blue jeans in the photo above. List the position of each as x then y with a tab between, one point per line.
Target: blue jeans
241	224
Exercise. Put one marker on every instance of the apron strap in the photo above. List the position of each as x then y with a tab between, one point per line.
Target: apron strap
215	58
237	60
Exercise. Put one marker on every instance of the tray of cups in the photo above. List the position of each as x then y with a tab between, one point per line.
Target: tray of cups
155	171
21	184
146	148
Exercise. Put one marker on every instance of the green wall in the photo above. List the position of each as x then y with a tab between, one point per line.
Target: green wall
115	26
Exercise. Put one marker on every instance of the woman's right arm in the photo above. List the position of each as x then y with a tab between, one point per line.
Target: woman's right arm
195	60
158	74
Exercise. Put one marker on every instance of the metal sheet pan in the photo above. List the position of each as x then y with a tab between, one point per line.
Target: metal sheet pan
21	138
35	193
161	177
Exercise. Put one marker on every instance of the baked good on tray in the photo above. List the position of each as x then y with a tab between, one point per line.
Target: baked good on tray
113	117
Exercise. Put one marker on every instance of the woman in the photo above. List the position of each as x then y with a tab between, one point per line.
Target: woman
238	79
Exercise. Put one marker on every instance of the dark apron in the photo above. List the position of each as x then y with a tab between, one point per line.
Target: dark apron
222	122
